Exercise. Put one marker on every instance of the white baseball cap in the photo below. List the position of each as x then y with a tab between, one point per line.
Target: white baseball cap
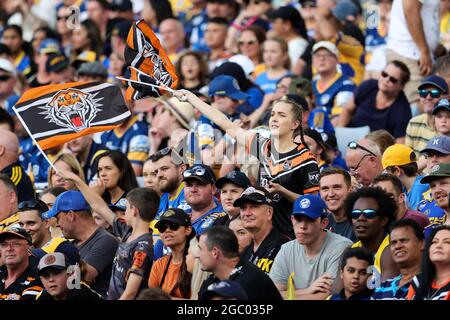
326	45
7	66
247	65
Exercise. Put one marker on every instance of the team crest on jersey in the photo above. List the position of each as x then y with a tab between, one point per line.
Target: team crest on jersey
13	296
287	165
72	108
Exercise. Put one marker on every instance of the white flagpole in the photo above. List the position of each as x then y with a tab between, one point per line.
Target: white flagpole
34	140
147	84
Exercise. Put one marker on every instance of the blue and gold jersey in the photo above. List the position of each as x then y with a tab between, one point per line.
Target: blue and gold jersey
335	95
201	224
351	57
23	64
133	142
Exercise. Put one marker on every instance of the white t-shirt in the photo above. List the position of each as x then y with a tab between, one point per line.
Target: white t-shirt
401	41
296	48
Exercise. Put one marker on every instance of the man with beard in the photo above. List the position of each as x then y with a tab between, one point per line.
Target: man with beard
169	167
199	193
372	211
335	184
407	244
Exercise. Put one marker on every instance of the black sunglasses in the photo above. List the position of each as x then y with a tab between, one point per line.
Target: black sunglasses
355	145
32	205
391	78
162	227
4	78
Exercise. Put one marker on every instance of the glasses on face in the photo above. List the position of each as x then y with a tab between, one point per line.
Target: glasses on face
367	213
33	204
384	74
4	78
355	145
354	169
197	171
164	225
249	43
435	93
12	244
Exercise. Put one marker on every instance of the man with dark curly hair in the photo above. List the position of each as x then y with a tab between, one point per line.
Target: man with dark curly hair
371	212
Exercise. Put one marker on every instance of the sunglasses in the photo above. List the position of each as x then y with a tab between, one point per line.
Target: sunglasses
435	93
355	145
367	213
391	78
196	171
4	78
164	225
249	43
32	205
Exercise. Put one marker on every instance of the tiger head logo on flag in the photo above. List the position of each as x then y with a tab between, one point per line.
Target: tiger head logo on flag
72	109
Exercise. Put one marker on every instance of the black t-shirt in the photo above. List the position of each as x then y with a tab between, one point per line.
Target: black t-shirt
21	180
131	257
295	170
223	221
265	255
393	119
256	283
99	251
343	228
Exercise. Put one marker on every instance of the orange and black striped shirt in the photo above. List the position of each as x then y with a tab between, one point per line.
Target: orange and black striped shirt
296	170
26	287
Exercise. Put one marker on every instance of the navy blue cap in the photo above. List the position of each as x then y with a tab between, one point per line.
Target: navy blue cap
310	205
436	81
236	177
64	246
438	143
442	104
225	289
67	201
226	86
56	62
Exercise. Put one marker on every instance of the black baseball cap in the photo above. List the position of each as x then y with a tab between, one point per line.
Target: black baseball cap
15	232
330	140
200	172
256	195
235	177
56	63
120	5
316	136
175	215
122	29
